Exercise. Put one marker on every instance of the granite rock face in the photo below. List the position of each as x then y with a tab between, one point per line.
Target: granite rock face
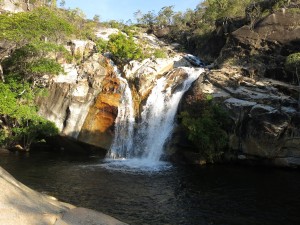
22	205
83	103
250	81
75	96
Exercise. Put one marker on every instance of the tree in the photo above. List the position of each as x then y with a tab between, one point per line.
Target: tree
18	115
96	18
20	29
292	64
138	15
62	3
164	17
33	61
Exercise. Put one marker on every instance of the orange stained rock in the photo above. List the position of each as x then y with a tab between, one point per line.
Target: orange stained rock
108	99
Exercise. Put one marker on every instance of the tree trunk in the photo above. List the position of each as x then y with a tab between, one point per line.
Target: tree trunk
1	73
298	78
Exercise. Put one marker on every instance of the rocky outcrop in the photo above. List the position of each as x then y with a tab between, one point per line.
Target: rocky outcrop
76	99
261	97
22	205
143	75
98	128
264	48
265	119
259	94
83	103
15	6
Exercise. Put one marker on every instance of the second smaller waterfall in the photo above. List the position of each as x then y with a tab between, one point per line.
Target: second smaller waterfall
123	141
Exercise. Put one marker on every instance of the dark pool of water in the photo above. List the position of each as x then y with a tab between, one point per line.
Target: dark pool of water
219	194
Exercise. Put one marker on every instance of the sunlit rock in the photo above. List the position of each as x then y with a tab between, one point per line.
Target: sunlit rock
105	32
22	205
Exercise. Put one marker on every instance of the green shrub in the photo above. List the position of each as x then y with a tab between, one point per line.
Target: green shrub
292	62
124	48
35	60
101	45
206	128
23	125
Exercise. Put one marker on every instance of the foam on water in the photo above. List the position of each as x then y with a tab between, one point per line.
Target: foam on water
135	165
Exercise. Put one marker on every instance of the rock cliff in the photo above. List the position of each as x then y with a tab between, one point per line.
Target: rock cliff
83	103
16	6
249	80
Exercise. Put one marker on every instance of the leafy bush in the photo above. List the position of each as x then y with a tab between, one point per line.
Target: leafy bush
18	113
101	45
31	60
206	128
124	48
292	62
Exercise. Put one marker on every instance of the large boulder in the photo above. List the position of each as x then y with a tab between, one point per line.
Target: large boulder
22	205
265	119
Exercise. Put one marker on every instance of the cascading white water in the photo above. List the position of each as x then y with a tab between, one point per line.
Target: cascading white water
158	116
143	149
122	144
123	140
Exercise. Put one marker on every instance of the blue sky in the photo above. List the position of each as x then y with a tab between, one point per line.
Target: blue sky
124	9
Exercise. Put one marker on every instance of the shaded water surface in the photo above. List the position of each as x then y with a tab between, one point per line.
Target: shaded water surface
220	194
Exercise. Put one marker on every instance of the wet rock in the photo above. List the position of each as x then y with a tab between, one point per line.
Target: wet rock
99	124
195	61
144	74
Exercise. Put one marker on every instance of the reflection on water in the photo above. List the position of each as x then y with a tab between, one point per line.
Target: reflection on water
219	194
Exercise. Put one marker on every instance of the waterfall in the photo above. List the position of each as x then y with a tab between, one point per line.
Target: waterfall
158	116
122	143
157	121
123	140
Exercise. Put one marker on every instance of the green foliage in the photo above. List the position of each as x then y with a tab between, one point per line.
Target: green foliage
292	62
31	60
145	19
101	45
28	26
164	17
206	128
158	53
32	131
83	28
45	66
211	10
124	48
22	124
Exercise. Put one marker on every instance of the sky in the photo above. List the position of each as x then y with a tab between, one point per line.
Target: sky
124	9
